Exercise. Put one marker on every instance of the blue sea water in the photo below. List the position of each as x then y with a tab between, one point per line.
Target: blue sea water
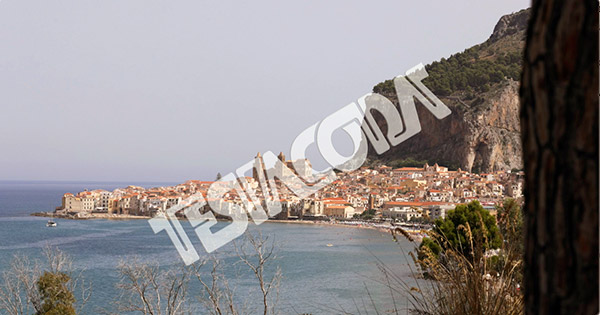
317	279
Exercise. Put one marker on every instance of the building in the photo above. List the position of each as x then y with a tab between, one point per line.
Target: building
438	211
515	190
339	211
402	213
70	203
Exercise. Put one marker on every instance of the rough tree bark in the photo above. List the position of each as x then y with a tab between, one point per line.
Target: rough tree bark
559	121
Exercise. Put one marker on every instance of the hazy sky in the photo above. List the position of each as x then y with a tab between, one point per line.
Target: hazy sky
147	90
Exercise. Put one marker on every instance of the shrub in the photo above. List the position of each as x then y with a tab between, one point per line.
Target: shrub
469	229
56	297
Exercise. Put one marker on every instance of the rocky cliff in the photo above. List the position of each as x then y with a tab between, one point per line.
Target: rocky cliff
480	85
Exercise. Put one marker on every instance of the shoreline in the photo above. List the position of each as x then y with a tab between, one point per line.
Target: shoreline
384	228
91	216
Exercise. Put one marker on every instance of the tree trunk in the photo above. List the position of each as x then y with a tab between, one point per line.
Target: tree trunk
559	121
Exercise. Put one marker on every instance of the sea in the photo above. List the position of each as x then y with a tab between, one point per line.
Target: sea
326	269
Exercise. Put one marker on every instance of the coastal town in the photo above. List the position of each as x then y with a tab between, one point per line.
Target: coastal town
405	194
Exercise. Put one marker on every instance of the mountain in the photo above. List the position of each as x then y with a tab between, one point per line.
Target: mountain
480	85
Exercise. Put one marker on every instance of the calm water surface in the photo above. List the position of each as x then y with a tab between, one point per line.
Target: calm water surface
317	279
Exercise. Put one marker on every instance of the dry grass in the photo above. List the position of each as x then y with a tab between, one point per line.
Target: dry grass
478	284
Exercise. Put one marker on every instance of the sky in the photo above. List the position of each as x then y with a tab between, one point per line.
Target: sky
145	90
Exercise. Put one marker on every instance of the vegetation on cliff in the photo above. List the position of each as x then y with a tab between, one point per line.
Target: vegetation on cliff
480	86
477	69
471	71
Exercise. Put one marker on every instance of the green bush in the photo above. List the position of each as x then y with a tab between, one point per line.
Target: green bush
57	298
467	228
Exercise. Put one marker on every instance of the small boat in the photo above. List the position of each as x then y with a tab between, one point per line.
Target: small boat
329	245
51	223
